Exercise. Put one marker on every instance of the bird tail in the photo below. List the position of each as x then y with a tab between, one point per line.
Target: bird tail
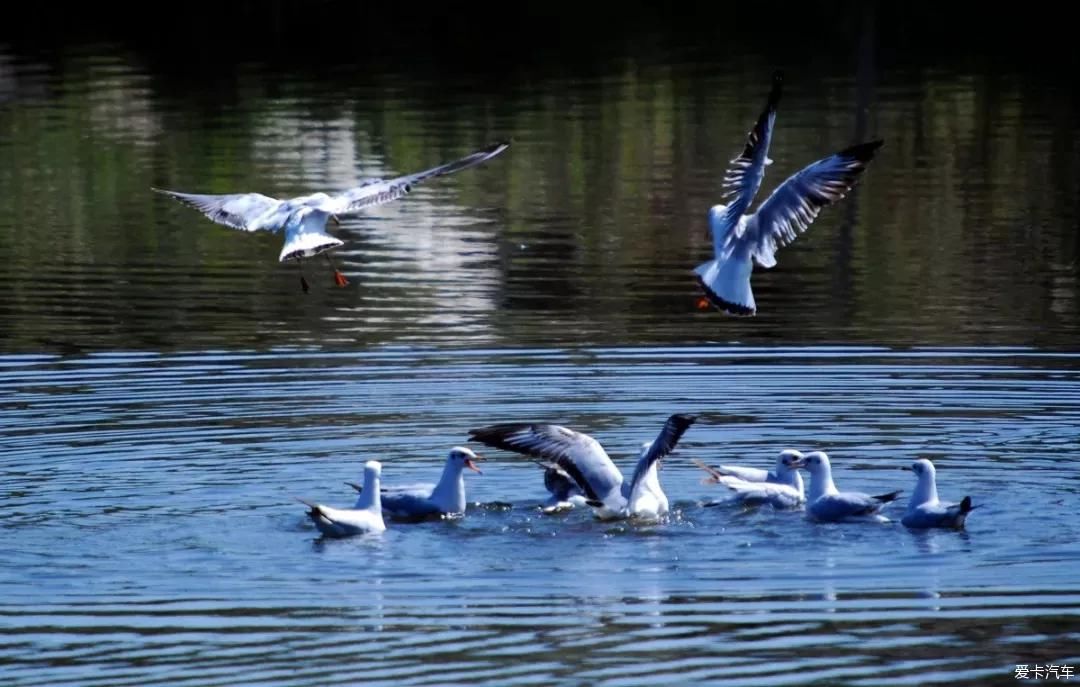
891	496
314	512
308	245
727	285
305	235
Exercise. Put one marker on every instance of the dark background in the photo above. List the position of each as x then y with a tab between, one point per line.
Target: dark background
539	36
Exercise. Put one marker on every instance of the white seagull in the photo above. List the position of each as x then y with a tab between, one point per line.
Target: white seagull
364	517
585	461
925	510
741	238
784	471
303	218
420	501
826	503
781	487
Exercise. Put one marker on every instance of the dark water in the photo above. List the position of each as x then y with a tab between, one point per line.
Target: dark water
167	390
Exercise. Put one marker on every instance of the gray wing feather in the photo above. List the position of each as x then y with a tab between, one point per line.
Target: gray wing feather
579	455
845	505
405	504
744	473
236	210
664	444
779	495
745	172
379	191
796	203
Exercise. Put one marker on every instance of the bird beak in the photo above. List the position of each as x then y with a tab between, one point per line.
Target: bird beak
472	466
355	486
906	467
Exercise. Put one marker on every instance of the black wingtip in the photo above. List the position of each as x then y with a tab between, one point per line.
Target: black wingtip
863	152
774	94
965	505
672	432
683	420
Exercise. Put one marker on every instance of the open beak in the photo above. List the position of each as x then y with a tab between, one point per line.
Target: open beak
472	466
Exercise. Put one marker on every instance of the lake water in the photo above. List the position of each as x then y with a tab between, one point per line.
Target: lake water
168	391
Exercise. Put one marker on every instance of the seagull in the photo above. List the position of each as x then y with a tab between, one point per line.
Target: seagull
925	510
364	517
741	238
784	472
826	503
304	218
586	462
782	487
420	501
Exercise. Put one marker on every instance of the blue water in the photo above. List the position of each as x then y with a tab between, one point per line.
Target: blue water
152	535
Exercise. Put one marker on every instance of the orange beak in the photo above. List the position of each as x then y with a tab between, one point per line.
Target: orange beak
472	466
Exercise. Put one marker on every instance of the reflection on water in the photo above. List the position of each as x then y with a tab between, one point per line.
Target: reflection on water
584	232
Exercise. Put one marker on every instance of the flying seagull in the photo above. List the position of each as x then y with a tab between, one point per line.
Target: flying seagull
304	218
741	238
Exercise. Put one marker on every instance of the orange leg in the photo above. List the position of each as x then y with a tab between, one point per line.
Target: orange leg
339	278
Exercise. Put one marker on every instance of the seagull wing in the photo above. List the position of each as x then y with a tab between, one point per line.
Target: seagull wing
662	445
579	455
745	474
846	504
796	203
779	495
379	191
745	172
409	504
235	210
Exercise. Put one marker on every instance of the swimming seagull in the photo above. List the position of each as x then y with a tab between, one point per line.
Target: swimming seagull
741	238
304	218
782	487
924	509
784	471
586	462
364	517
419	501
828	504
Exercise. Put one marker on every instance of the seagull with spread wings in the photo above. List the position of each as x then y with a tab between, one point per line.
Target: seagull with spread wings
304	218
585	461
741	238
